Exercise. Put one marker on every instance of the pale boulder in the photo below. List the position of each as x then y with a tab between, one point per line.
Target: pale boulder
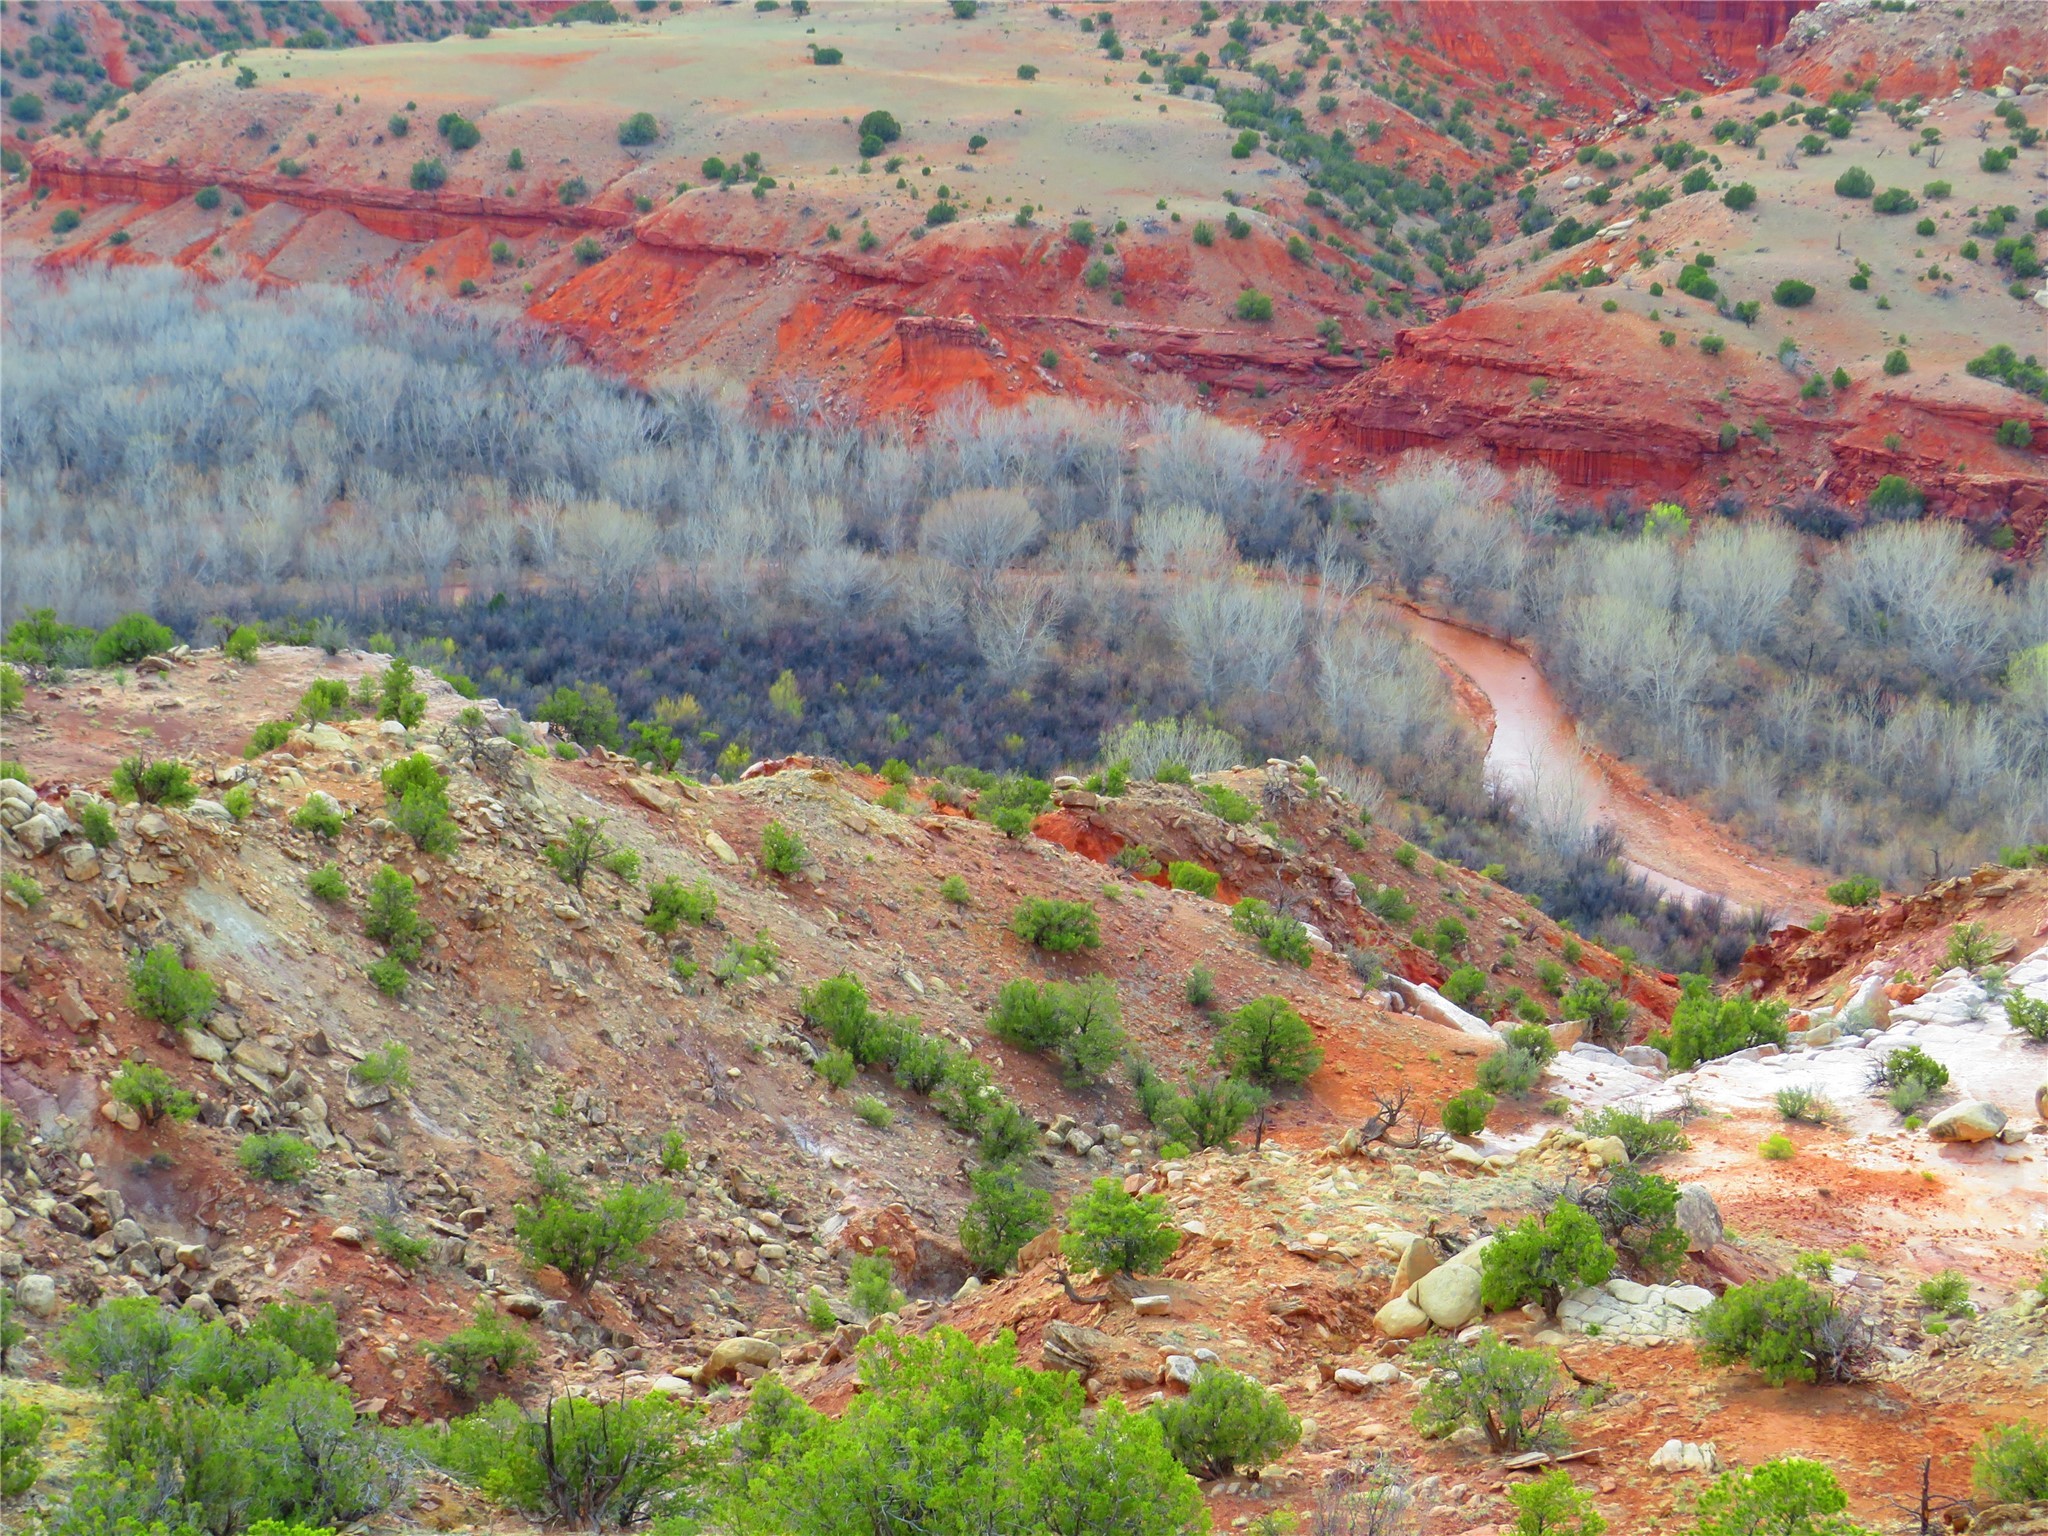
1418	1258
1698	1217
1978	1120
731	1354
1677	1456
1449	1295
1401	1319
36	1295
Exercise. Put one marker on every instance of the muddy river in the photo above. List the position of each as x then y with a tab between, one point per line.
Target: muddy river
1535	750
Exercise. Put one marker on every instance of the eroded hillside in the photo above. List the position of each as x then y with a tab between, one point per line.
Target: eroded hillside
1403	255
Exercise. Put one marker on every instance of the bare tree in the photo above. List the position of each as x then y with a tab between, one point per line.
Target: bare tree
353	555
1234	634
490	548
1737	583
608	547
1183	539
1533	498
1189	457
929	596
981	532
1649	657
1013	621
1641	570
1922	585
890	475
429	540
266	543
1409	504
1339	578
1480	553
725	564
1385	702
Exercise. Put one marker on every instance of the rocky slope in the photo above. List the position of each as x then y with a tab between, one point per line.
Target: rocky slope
543	1020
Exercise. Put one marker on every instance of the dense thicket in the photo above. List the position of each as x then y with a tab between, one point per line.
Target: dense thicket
966	598
1004	590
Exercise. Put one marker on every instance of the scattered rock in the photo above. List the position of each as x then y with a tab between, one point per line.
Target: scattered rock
81	861
325	738
653	796
721	847
366	1095
261	1058
1351	1380
1070	1347
38	834
203	1046
74	1010
1182	1370
1152	1306
122	1115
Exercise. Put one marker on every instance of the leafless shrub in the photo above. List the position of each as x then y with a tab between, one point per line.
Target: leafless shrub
1150	745
1556	802
1360	785
1079	552
1366	1498
929	595
835	580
